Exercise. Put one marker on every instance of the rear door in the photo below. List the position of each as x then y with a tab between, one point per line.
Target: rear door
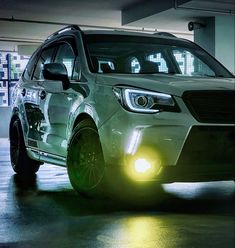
30	91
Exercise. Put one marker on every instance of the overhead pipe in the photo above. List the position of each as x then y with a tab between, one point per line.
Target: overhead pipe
217	11
19	39
12	19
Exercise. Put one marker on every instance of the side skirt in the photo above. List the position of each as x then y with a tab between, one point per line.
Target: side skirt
46	157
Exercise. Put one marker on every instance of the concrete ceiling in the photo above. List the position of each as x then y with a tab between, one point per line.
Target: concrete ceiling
155	14
175	14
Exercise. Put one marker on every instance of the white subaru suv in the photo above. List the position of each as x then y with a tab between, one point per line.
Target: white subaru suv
114	105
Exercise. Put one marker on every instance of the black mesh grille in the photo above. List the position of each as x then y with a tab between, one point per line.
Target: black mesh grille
211	106
209	145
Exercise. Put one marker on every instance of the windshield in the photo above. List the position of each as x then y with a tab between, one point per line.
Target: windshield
149	55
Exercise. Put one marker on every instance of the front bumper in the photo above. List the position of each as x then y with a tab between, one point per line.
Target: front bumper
187	150
208	154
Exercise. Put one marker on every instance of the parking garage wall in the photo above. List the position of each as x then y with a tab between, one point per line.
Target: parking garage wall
218	38
225	41
11	68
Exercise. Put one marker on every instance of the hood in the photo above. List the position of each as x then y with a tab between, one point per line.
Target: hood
170	84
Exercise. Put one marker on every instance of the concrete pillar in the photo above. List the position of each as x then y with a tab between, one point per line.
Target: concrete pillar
205	37
218	38
225	41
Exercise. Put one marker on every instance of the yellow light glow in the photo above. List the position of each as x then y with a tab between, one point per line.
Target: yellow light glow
142	165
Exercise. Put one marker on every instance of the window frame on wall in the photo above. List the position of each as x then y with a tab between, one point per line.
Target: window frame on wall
12	68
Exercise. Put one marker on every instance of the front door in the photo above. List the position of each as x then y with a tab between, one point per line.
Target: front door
56	105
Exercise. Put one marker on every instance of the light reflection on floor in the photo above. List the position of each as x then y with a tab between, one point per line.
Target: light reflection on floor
198	190
46	212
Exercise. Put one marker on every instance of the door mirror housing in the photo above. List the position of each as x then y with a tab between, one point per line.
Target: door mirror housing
58	72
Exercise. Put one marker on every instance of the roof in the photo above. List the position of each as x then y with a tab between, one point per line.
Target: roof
111	32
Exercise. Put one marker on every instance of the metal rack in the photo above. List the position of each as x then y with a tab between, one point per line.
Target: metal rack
67	28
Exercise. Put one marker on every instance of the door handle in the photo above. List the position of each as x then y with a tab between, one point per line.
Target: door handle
23	92
42	94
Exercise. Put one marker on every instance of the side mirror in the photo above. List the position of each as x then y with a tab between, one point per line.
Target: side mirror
56	71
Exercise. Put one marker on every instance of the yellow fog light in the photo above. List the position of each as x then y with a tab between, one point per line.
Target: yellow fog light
142	165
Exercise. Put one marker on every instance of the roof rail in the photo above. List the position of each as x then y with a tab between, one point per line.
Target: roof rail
166	34
67	28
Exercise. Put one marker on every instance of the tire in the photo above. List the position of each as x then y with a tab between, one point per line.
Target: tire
85	161
20	161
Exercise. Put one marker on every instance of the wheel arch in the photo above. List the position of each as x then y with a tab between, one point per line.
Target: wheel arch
82	117
15	115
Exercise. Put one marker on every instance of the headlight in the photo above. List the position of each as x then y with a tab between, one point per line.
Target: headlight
144	101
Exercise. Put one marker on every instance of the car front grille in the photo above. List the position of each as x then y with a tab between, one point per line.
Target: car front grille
211	106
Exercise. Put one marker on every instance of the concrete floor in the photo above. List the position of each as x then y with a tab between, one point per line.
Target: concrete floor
46	212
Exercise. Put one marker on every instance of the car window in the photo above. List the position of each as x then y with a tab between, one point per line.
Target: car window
45	58
151	55
30	66
159	59
191	65
135	65
66	56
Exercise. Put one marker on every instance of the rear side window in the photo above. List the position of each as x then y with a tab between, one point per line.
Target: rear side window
45	58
